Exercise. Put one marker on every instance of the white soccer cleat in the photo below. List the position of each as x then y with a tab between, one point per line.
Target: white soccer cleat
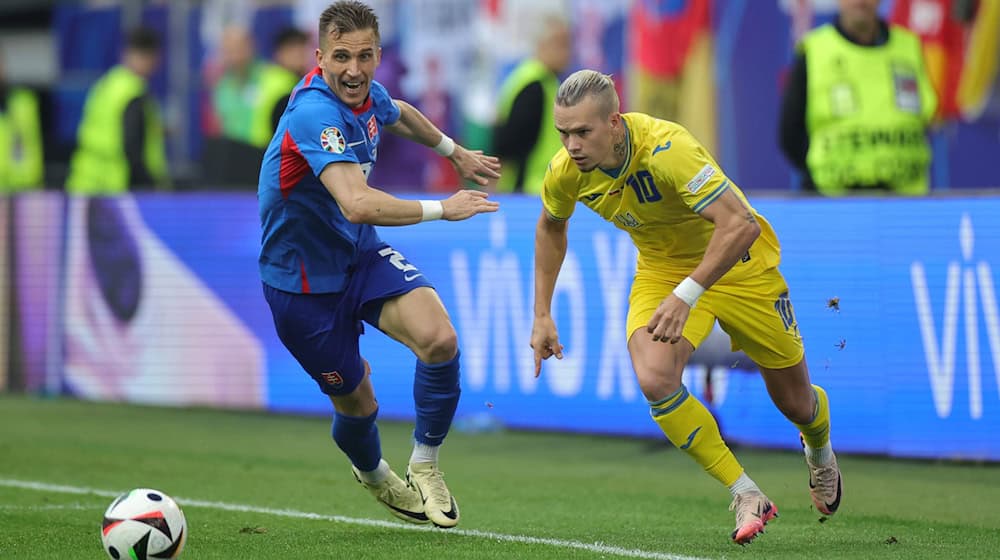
753	511
439	505
397	496
825	486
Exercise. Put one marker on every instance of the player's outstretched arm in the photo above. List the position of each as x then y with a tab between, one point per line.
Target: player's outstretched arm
550	250
472	165
362	204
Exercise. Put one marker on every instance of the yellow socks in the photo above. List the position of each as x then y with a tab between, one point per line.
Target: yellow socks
690	426
817	433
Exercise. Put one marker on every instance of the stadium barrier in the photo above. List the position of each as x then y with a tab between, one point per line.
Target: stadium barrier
156	299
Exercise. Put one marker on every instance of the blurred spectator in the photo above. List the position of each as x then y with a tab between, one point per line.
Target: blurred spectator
249	89
245	100
120	141
21	162
856	107
293	56
525	137
234	95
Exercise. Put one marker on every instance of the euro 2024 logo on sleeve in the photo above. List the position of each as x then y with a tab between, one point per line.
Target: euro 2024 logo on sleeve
941	361
332	140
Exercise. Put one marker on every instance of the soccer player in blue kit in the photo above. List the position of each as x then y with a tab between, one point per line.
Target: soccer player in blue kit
325	269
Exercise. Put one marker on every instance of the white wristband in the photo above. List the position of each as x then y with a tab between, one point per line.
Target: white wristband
445	147
432	210
689	291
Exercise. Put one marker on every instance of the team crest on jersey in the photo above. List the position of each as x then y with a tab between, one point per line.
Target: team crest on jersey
333	377
332	140
372	129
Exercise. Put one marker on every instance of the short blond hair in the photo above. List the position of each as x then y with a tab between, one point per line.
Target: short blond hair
583	83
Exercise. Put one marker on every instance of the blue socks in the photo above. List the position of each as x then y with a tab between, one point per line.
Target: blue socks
358	438
435	392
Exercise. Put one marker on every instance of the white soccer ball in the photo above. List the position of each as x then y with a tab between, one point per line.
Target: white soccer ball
143	524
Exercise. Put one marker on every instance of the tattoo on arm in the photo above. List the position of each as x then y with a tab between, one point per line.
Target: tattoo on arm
750	217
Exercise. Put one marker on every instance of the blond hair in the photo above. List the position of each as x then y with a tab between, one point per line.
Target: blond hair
583	83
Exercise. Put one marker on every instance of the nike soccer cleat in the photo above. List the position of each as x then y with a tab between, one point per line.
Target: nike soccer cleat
825	486
397	496
439	504
753	511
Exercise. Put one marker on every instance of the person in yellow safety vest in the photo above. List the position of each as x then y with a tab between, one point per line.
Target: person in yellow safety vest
525	137
21	161
248	90
120	141
857	105
293	58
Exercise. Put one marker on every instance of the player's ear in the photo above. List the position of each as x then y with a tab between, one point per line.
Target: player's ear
319	57
378	55
615	120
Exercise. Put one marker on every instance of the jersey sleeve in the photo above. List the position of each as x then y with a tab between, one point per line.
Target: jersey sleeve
386	110
320	135
691	172
558	196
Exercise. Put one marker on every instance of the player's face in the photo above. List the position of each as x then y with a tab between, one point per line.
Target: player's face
858	12
587	133
142	62
349	63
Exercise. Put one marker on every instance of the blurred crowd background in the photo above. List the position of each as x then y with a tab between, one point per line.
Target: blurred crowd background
716	66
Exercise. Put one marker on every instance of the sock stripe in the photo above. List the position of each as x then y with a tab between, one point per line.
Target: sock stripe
667	398
674	400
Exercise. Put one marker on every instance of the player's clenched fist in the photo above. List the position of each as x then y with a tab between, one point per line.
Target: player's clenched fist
467	203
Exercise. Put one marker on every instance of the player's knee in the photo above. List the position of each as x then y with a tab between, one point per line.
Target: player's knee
658	385
358	403
440	345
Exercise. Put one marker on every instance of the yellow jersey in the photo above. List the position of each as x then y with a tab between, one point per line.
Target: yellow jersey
657	195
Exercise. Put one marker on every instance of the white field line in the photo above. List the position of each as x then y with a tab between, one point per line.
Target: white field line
48	507
598	548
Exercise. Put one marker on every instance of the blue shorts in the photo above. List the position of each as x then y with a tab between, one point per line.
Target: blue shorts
322	330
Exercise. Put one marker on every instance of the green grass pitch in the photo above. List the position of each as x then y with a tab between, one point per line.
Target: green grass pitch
254	485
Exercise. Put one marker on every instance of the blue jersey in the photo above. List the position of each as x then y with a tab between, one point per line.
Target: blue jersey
307	245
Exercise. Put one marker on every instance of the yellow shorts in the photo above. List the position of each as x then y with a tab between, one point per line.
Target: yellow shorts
756	313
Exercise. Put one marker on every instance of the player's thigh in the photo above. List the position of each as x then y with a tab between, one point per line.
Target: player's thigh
319	330
648	291
399	300
759	318
658	365
419	320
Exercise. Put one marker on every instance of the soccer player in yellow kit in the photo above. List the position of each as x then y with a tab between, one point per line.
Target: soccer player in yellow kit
704	255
